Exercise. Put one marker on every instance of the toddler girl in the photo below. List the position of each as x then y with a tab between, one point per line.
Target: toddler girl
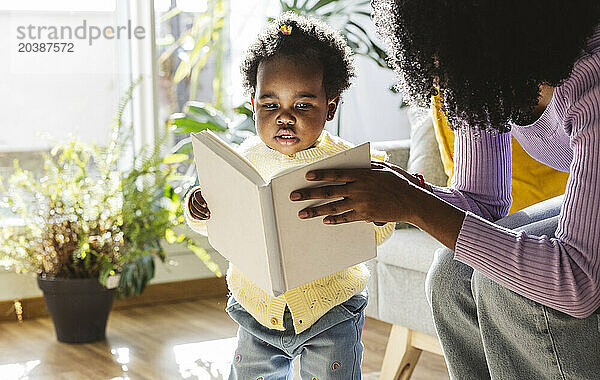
295	73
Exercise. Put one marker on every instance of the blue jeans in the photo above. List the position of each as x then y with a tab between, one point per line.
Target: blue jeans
329	349
489	332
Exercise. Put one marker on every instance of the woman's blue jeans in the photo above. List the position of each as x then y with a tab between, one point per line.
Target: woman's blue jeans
487	331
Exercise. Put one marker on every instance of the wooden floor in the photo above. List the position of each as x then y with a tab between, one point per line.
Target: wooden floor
188	340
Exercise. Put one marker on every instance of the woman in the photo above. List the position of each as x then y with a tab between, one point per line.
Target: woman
512	297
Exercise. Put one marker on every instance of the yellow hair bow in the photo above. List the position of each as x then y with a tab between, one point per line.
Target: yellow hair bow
286	30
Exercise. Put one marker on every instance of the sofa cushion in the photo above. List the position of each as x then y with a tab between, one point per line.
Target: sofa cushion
424	152
398	151
408	248
402	298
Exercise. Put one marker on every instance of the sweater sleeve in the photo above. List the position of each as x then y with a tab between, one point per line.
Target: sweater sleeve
561	272
482	172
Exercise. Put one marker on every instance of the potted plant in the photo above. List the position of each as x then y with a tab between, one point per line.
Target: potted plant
92	225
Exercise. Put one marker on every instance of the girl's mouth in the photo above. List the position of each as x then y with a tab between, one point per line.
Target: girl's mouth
287	139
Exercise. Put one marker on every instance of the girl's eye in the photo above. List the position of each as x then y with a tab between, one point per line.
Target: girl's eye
270	106
304	106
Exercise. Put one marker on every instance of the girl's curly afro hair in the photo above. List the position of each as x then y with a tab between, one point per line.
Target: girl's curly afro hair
310	41
489	56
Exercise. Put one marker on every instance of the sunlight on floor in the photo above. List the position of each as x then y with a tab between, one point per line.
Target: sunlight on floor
18	371
121	355
205	360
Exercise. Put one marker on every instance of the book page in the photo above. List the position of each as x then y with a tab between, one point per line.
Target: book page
235	227
311	249
227	153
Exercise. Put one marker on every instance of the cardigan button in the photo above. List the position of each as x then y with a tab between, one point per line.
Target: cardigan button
274	321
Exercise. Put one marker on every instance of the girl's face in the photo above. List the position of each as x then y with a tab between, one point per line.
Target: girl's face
290	105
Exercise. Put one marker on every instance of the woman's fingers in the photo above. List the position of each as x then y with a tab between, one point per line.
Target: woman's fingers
334	175
330	208
323	192
346	217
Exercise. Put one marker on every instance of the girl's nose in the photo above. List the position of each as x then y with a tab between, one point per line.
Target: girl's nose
286	119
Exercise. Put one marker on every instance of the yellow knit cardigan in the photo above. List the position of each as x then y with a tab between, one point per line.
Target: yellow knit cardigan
307	303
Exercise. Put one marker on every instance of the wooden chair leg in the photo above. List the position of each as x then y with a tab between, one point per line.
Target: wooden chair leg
400	355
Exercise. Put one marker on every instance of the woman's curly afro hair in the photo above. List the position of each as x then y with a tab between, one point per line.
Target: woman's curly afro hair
309	41
489	56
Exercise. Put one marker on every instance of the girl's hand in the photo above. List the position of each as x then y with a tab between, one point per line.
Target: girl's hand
197	205
384	193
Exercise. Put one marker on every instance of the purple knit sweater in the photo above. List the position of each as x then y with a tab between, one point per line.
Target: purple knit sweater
561	272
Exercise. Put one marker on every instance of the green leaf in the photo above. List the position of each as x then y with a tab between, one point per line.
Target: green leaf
246	124
244	109
186	124
185	148
183	70
319	4
205	112
170	14
361	29
175	158
205	257
171	236
373	50
362	13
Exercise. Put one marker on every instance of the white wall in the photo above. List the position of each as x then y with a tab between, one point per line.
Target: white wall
370	111
55	94
246	21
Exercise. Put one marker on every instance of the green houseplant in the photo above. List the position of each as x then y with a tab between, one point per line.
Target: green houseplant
92	225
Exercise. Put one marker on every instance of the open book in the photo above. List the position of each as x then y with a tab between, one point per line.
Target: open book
255	226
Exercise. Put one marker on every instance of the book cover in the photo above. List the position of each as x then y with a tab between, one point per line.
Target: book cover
256	227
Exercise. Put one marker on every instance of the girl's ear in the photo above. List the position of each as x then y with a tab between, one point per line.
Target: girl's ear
253	110
332	106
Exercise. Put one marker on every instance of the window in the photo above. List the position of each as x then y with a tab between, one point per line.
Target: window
51	95
191	52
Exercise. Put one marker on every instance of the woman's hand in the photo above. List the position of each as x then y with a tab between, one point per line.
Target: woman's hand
197	206
384	193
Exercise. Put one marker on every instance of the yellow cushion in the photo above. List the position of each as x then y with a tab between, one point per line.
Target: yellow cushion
532	181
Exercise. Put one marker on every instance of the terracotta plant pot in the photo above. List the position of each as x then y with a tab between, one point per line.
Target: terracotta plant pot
79	307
